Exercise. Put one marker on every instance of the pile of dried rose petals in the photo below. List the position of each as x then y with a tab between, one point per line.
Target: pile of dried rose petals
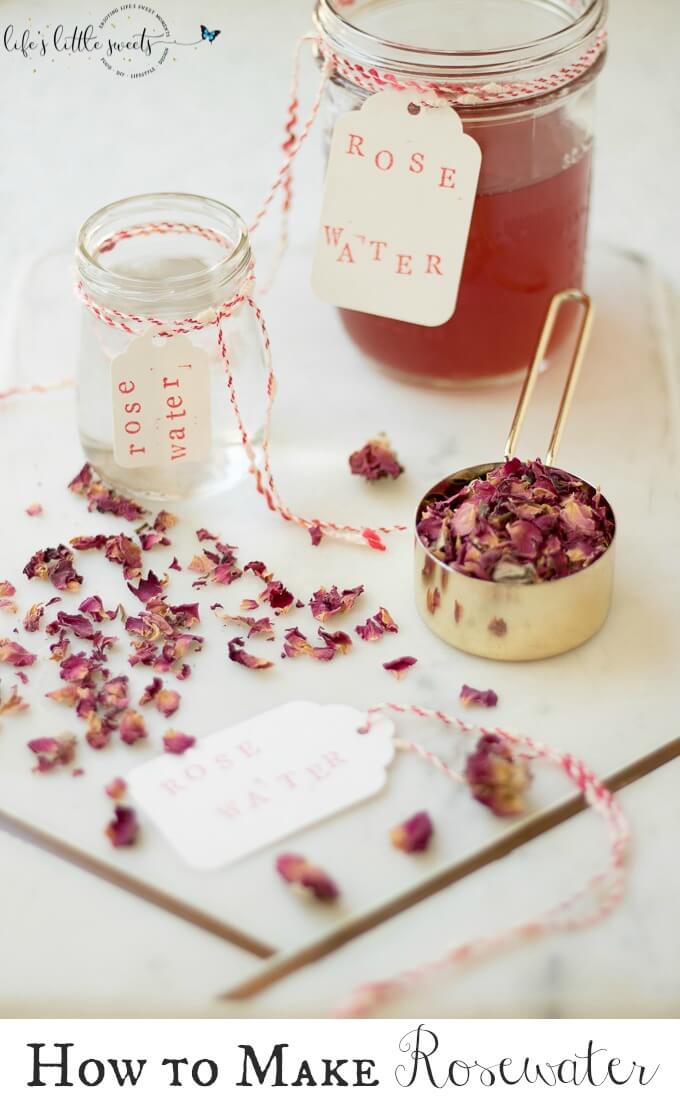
524	522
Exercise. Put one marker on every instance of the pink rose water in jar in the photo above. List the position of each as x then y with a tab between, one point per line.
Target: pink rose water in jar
520	74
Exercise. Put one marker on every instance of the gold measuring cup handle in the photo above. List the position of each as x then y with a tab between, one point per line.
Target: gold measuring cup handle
556	304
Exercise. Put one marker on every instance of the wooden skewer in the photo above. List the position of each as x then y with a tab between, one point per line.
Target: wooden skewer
281	965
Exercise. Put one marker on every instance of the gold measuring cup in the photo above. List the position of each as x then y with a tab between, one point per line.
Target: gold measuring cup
507	620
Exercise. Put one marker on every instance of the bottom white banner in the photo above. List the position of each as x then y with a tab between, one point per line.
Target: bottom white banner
521	1058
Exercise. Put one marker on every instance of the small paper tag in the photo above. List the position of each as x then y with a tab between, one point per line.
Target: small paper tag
255	783
399	193
161	402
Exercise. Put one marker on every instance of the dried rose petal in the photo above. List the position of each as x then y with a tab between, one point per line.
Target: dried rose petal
203	535
52	752
9	606
249	605
88	542
375	460
123	829
383	617
369	631
86	484
523	523
325	603
76	667
149	588
277	596
14	703
114	695
34	509
93	606
99	731
297	871
165	700
470	696
495	777
121	550
7	589
56	565
414	834
116	789
259	569
238	654
80	625
315	533
174	564
338	639
131	727
400	666
177	743
297	645
14	654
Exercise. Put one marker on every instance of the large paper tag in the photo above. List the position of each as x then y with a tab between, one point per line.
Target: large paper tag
399	193
161	402
255	783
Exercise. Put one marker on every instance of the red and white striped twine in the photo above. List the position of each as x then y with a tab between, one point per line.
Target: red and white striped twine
133	324
604	890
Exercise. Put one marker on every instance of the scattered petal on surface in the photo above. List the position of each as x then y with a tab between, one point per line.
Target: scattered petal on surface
52	752
104	500
296	871
370	631
327	602
13	704
315	534
238	654
123	829
56	565
34	509
375	460
414	834
495	777
131	727
116	789
14	654
7	588
177	743
400	666
470	696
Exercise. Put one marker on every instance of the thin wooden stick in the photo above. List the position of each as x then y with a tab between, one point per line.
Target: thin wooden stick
282	965
140	888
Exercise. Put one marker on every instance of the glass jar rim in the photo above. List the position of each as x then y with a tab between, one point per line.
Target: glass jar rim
364	48
225	223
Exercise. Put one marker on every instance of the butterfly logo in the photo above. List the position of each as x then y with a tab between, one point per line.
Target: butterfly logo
208	36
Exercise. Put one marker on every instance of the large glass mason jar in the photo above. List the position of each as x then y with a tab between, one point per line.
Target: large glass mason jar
154	414
520	73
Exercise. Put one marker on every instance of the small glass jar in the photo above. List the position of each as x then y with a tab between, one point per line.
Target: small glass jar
170	257
520	73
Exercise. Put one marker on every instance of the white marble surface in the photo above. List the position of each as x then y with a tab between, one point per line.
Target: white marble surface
98	964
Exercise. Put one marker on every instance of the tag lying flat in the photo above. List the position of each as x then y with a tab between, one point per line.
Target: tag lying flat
161	402
255	783
398	199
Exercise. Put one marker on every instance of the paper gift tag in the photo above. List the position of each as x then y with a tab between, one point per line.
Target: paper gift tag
261	780
398	199
161	402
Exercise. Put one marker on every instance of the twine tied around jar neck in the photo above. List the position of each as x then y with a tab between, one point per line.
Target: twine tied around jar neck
135	324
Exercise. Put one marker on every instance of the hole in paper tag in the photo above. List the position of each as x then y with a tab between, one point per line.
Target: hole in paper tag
253	784
161	402
398	199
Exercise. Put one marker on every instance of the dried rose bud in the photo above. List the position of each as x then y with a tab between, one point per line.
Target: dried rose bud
52	752
376	460
123	829
414	834
400	666
178	743
296	871
470	696
116	789
495	777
